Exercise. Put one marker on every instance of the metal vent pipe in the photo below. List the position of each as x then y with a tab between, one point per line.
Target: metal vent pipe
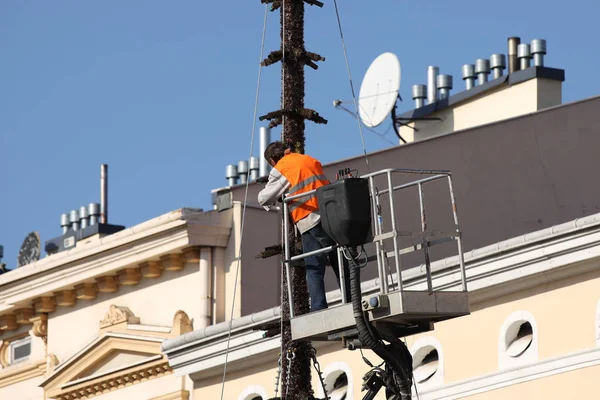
482	69
94	213
513	62
497	64
74	217
538	49
524	54
432	73
444	84
104	194
419	94
265	140
243	171
83	217
254	167
65	222
231	174
468	75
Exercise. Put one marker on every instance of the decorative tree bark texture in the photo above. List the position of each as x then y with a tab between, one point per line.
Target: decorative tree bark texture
291	116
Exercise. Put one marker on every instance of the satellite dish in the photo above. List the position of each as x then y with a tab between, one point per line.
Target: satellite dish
379	89
30	250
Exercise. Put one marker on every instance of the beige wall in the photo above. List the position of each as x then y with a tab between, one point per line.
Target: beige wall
578	384
494	105
24	390
154	301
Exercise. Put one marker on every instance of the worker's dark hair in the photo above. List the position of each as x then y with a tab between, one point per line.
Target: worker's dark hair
275	151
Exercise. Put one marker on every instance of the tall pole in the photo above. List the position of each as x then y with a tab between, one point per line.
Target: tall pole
293	57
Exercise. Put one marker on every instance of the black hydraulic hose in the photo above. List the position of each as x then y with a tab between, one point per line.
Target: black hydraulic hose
364	334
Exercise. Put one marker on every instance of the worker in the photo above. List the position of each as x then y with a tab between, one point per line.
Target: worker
295	174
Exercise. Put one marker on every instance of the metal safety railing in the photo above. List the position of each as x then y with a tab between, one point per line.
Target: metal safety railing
379	236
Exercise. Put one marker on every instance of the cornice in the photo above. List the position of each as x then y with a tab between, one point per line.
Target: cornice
16	374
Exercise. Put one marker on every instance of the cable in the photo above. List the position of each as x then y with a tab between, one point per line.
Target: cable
337	13
239	257
380	135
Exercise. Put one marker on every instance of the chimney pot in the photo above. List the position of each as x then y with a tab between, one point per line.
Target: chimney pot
482	69
254	167
231	174
94	213
432	73
468	75
74	217
65	222
83	217
265	140
419	94
444	83
538	49
497	64
513	62
524	54
243	171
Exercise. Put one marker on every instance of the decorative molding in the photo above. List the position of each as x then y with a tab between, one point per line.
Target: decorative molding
86	291
514	376
172	262
420	348
114	382
178	395
192	255
40	326
8	322
117	315
44	304
181	324
107	284
129	276
251	391
512	322
16	374
65	298
51	364
4	344
331	373
151	269
24	316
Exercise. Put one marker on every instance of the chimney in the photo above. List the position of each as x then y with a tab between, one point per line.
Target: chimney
83	217
497	64
444	84
65	223
468	74
482	69
243	171
74	217
231	174
513	62
104	194
524	54
432	73
94	213
254	167
265	140
419	94
538	49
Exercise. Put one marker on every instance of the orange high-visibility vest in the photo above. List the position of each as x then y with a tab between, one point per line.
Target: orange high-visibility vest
304	174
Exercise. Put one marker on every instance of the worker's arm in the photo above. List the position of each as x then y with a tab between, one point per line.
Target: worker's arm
274	189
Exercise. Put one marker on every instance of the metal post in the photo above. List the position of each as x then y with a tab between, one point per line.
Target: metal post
286	241
104	193
395	237
382	281
463	273
342	275
424	229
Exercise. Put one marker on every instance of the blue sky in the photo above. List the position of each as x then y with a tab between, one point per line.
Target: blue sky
163	92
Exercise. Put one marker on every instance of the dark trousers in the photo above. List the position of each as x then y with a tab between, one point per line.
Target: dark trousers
315	239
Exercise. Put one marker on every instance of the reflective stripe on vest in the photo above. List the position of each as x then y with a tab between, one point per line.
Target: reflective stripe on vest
304	174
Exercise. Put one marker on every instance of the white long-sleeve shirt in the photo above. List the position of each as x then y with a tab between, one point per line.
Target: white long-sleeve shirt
274	189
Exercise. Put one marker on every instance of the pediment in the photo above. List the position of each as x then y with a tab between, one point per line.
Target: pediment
113	360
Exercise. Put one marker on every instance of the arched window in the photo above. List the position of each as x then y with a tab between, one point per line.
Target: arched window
428	362
253	392
518	340
338	382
